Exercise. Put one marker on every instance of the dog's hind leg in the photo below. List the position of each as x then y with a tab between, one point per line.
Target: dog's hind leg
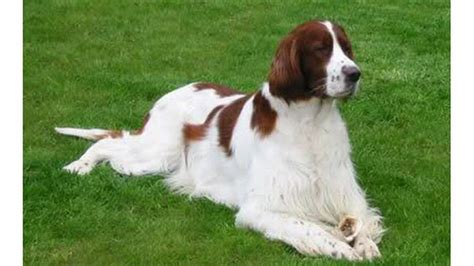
128	155
103	150
109	142
151	151
140	156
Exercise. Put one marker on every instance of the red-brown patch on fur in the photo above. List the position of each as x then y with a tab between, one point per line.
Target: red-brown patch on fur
298	70
227	120
222	91
194	132
115	134
263	116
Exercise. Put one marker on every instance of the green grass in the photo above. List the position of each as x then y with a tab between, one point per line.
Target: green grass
104	63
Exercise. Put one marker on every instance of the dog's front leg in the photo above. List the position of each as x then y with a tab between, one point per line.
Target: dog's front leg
365	243
306	237
363	233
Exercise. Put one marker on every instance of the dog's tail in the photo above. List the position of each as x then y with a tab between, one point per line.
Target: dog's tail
91	134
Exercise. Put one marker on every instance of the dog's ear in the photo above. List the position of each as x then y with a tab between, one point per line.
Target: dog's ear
286	77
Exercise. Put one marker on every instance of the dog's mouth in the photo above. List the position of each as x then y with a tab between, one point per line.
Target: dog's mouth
344	94
348	92
322	91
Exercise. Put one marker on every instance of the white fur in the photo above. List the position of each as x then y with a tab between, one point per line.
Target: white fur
295	185
336	85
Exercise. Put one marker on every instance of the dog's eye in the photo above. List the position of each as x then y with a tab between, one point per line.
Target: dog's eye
320	49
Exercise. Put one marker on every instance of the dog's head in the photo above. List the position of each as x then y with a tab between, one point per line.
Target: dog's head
314	60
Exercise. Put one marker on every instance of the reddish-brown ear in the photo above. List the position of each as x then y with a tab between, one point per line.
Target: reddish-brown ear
286	78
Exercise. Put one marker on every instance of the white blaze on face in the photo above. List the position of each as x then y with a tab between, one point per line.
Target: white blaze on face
336	80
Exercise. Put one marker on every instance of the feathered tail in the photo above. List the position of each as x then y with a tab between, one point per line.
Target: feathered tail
91	134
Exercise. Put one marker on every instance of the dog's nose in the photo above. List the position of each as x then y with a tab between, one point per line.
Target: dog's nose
352	73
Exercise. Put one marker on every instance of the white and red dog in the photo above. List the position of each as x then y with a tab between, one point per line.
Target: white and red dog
281	155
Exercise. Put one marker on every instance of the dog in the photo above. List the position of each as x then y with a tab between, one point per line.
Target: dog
280	156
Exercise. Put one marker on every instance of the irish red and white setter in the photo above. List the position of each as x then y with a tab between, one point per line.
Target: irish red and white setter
280	156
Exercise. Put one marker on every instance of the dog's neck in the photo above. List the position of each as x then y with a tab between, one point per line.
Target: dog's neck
314	110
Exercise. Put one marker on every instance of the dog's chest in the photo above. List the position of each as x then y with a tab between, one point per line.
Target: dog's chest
314	145
312	170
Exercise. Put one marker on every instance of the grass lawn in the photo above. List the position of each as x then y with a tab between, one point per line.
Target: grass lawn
104	63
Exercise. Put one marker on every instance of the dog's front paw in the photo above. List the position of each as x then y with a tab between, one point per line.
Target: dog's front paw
79	167
366	248
332	248
344	251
